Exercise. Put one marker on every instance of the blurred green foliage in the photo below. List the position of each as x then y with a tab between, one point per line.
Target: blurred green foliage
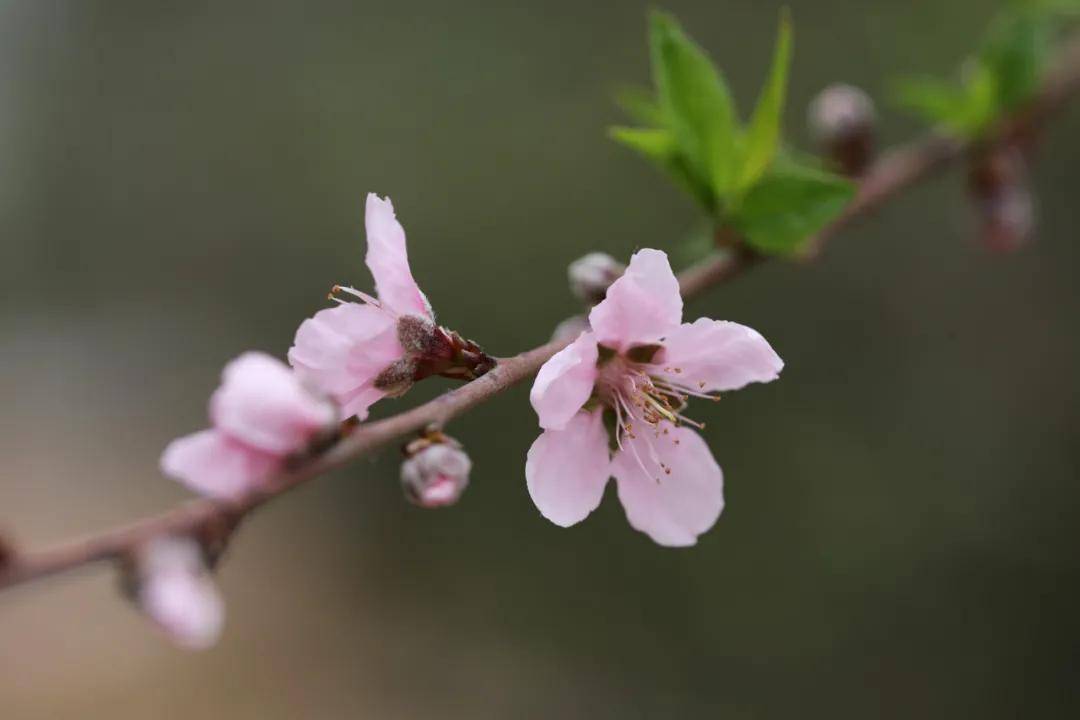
1000	77
739	175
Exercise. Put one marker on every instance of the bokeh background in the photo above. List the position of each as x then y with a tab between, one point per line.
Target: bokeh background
180	182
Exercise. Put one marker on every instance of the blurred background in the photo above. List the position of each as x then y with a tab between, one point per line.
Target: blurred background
180	182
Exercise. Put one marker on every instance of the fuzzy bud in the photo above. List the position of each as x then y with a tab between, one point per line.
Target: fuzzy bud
1003	199
591	275
170	582
841	120
436	470
570	328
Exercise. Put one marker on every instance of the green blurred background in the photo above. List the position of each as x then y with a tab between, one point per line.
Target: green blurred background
180	182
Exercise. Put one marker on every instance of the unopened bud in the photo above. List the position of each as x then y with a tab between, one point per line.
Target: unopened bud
841	120
435	471
1003	199
170	582
590	276
570	328
7	552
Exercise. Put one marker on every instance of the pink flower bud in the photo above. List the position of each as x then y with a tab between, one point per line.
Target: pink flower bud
841	120
436	471
173	587
591	275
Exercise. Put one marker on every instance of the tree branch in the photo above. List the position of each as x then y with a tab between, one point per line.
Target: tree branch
214	521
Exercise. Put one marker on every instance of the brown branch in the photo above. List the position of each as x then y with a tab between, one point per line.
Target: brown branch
214	521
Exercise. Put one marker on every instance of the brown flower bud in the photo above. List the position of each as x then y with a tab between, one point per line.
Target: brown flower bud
1003	199
841	120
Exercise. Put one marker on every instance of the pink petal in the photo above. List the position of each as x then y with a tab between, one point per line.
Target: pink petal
642	306
565	382
718	355
566	470
672	509
360	400
210	463
176	591
262	403
389	262
341	350
187	608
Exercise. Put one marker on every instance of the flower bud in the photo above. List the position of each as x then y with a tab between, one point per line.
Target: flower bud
1003	199
841	120
591	275
170	582
7	552
570	328
436	470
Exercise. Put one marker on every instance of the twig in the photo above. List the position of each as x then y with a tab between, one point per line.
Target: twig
214	521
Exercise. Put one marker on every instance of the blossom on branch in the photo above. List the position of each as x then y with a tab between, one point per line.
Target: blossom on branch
261	415
170	582
635	369
361	352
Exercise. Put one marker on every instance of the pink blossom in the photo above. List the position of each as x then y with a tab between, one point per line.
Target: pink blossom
362	352
639	364
174	588
261	414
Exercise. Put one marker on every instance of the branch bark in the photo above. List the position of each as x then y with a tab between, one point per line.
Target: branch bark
214	521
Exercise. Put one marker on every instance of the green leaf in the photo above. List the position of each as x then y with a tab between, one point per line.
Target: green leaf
641	105
788	205
696	103
658	146
964	109
763	132
935	100
1015	53
654	143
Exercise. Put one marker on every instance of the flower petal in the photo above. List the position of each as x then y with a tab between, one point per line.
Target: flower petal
566	470
715	355
262	403
389	262
176	591
642	306
672	509
341	350
211	463
358	401
565	382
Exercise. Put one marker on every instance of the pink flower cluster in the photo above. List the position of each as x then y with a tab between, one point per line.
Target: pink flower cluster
635	366
344	359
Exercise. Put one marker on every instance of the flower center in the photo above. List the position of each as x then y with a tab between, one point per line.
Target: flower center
643	397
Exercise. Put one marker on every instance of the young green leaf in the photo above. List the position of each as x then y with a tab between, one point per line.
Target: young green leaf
963	109
641	105
788	205
658	146
937	101
696	103
1015	53
763	133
